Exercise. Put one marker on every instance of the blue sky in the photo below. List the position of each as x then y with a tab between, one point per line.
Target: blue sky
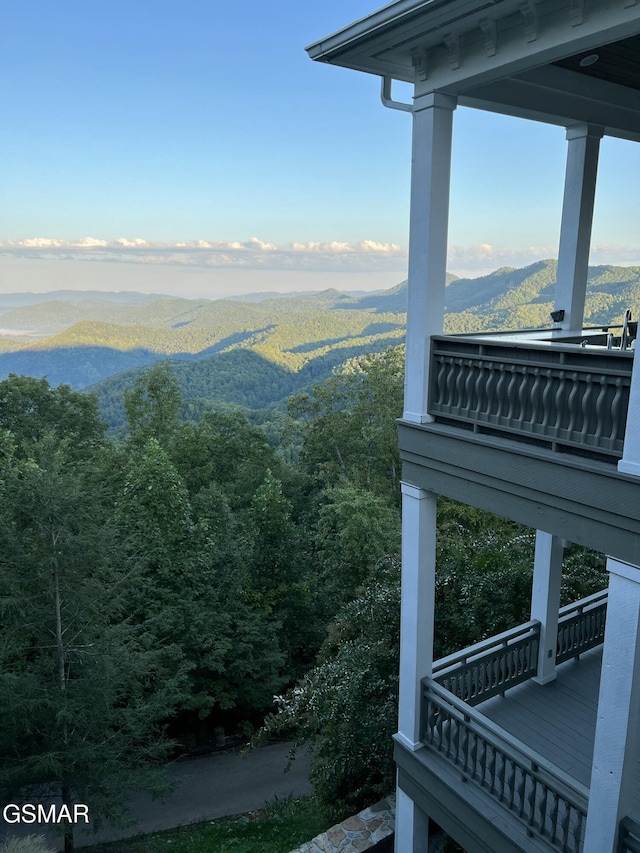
130	128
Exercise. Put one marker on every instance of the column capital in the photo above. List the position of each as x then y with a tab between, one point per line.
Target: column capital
434	99
415	492
580	131
623	570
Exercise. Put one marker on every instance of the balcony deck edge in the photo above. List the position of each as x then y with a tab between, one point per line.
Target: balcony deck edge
462	809
582	500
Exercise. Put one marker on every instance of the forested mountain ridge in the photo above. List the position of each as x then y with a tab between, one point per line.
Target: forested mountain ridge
83	340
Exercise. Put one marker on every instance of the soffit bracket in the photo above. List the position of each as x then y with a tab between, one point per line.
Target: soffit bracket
452	42
419	60
529	12
576	12
490	34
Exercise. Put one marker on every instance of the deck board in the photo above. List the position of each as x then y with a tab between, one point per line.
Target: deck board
558	720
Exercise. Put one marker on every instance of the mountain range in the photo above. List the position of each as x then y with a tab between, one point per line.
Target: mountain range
257	350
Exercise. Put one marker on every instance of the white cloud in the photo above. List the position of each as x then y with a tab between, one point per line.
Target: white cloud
254	243
255	253
88	243
483	258
130	244
312	256
41	243
384	248
615	255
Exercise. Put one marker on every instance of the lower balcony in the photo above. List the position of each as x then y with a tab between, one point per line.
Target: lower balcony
506	762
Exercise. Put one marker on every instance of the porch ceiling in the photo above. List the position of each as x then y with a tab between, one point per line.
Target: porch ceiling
618	62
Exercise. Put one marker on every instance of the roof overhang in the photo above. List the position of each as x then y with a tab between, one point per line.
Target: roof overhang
502	56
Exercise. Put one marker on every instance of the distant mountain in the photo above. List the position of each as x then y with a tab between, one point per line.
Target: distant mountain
269	294
15	300
523	298
256	352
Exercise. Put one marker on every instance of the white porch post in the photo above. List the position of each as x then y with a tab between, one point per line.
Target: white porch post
412	826
430	179
417	606
575	229
416	645
615	755
545	601
630	462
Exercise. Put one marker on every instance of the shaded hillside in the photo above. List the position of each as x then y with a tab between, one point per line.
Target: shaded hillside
73	366
287	336
237	377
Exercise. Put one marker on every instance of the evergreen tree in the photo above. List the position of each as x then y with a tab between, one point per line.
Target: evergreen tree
82	693
153	403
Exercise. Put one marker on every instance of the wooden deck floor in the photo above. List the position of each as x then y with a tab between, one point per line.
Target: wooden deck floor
558	720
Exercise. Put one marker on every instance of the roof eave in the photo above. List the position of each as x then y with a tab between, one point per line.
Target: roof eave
330	48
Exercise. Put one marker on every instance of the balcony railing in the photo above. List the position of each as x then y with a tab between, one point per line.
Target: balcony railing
560	395
549	803
629	838
492	666
581	626
489	668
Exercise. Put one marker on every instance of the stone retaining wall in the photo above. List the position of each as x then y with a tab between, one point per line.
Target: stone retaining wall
357	833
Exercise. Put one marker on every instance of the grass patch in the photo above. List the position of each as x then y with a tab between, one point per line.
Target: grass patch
278	828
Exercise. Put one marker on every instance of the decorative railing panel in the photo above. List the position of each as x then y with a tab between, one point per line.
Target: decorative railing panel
491	667
629	836
561	394
548	803
581	626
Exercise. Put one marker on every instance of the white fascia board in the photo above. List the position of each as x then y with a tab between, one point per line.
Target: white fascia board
393	22
363	28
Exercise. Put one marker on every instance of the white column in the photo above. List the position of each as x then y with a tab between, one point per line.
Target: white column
575	229
430	179
616	755
412	826
416	646
417	606
630	462
545	601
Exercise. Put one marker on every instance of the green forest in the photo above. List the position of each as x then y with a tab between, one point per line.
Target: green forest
177	576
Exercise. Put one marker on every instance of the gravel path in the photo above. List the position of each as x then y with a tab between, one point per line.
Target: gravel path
207	788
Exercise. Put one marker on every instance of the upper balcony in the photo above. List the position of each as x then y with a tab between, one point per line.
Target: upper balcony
569	395
531	426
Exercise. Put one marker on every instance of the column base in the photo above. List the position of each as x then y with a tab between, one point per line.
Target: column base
416	418
409	744
545	679
626	467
